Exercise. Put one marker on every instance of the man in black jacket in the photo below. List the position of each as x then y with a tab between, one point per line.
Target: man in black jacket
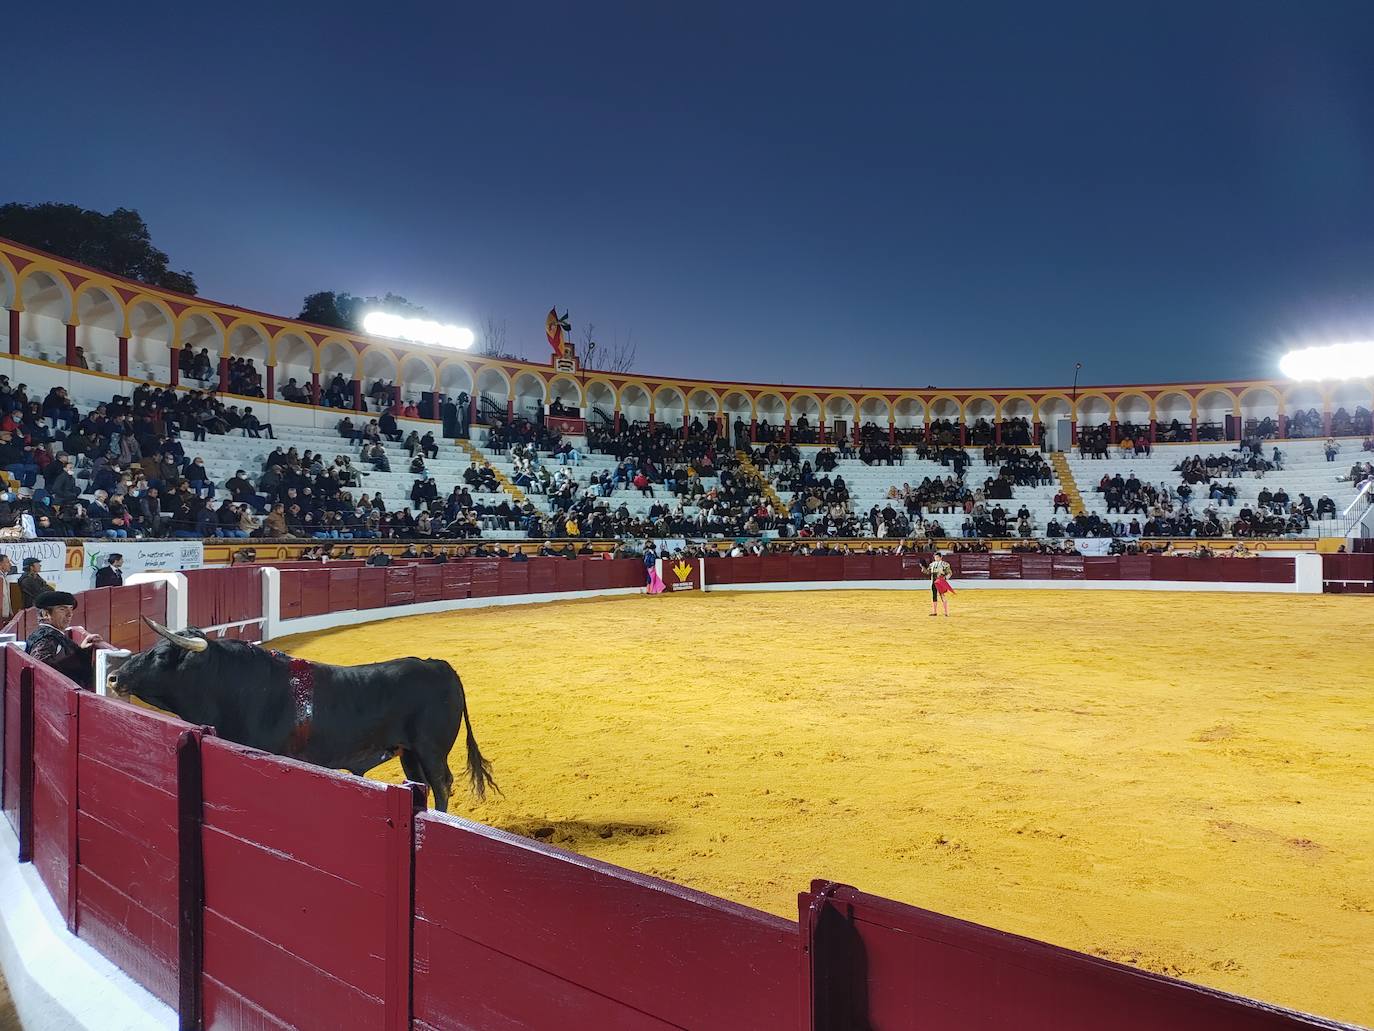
110	575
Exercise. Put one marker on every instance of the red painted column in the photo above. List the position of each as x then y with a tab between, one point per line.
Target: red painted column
820	432
1154	431
510	409
930	433
174	373
434	404
1283	426
224	374
997	432
858	433
686	424
472	409
1037	431
617	420
1194	429
651	420
891	432
357	396
1115	434
787	431
314	388
1073	432
14	332
271	390
1326	422
124	356
963	434
753	430
71	344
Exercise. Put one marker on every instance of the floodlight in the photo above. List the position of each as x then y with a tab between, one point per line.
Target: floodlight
420	331
1332	361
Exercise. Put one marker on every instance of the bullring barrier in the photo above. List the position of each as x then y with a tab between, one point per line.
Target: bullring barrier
248	890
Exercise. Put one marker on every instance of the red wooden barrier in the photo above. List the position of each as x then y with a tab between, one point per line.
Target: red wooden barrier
307	889
128	847
400	585
314	591
570	575
598	575
290	602
343	589
12	772
488	956
542	575
371	589
457	581
152	602
486	577
54	782
513	578
875	963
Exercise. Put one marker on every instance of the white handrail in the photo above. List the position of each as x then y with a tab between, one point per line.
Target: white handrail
1364	493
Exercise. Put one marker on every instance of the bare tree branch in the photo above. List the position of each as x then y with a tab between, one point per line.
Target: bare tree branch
617	356
492	336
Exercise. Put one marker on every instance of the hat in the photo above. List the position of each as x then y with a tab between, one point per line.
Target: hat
49	599
32	561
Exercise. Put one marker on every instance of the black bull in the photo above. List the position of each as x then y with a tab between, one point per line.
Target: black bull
362	715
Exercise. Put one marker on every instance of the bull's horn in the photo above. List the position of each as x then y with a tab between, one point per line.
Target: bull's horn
191	644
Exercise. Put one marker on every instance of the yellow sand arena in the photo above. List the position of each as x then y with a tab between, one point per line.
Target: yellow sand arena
1183	782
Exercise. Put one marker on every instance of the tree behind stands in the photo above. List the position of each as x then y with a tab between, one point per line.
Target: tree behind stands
118	243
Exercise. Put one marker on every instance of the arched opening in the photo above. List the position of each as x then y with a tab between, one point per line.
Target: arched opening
634	405
1259	408
1133	417
1350	401
1215	416
841	417
150	343
703	406
875	417
249	348
380	379
669	408
909	415
739	413
100	318
567	392
47	307
806	419
493	395
339	380
1305	404
945	416
199	343
979	415
772	417
1018	417
530	394
1055	415
455	378
600	403
7	295
418	387
293	366
1174	418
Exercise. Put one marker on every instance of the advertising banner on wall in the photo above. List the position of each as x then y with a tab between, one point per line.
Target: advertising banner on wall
682	574
53	554
143	556
1093	545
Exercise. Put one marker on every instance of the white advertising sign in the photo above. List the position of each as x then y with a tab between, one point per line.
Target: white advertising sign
144	556
1093	545
53	554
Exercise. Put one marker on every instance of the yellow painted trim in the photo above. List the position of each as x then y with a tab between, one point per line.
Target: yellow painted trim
244	320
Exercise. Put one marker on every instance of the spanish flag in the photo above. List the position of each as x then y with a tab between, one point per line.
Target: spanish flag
554	328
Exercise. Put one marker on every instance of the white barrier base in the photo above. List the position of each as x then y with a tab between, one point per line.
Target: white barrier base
352	617
55	979
1015	585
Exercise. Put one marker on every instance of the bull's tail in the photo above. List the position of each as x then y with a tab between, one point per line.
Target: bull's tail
479	768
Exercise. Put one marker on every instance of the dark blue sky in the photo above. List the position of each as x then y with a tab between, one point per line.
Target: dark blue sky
972	194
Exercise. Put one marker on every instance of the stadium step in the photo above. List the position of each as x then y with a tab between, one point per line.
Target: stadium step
501	478
765	484
1064	474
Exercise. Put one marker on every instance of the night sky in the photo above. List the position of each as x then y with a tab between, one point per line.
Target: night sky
952	194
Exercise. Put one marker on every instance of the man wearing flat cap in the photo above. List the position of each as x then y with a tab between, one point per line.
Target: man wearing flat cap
32	584
49	641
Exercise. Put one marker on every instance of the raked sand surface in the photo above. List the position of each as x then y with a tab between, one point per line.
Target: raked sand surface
1180	782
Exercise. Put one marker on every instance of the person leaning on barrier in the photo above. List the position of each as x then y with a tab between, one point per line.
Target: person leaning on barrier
49	642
